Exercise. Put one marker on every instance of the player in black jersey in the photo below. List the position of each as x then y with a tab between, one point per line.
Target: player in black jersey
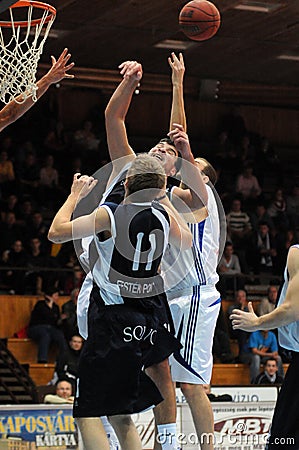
123	323
167	153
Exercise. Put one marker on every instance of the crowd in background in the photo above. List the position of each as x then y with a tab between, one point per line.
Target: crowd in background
260	202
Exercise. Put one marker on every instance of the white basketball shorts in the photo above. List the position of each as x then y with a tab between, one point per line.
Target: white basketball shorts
195	318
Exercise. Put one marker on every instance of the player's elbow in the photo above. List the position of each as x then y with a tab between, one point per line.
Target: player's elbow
54	235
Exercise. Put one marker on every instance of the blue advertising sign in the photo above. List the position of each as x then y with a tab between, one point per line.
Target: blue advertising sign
37	426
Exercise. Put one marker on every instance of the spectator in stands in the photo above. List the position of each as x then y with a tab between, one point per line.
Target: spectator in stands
55	138
10	231
26	211
67	362
239	230
270	375
261	215
37	259
63	394
73	280
268	304
44	326
11	204
278	210
49	191
15	257
242	337
29	176
247	149
222	147
229	270
248	187
85	138
36	227
262	254
69	315
293	207
263	345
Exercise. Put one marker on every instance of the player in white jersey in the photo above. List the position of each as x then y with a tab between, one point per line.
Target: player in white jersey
123	320
284	432
194	303
167	154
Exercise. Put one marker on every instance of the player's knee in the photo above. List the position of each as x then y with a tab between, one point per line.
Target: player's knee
189	389
158	370
122	421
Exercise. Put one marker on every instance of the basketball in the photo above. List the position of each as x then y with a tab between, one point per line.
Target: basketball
199	20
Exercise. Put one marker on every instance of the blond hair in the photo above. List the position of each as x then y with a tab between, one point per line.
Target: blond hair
146	172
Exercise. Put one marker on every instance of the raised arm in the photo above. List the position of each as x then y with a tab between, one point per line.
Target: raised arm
64	229
59	70
117	108
177	108
196	196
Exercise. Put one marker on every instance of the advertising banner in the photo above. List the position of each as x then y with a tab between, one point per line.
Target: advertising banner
238	425
30	427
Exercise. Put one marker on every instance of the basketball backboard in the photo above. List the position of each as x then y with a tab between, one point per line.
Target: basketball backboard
4	4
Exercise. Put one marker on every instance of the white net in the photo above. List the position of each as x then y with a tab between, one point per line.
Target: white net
20	51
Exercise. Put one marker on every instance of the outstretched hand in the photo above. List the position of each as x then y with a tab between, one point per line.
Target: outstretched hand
60	67
247	321
178	68
82	185
131	69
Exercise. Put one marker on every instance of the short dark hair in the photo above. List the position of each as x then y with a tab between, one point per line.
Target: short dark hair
50	290
208	170
270	359
178	163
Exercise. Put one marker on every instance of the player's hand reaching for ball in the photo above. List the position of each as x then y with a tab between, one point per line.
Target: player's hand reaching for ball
178	68
82	185
60	68
131	69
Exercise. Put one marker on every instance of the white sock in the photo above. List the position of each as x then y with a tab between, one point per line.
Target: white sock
166	436
112	438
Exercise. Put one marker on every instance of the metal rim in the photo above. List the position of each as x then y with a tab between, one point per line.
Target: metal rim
35	4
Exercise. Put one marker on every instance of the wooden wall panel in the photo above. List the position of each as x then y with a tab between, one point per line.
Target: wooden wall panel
15	312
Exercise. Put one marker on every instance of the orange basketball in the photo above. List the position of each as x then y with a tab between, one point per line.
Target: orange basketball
199	20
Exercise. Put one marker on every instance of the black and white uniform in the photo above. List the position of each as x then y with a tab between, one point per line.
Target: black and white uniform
284	433
165	344
123	319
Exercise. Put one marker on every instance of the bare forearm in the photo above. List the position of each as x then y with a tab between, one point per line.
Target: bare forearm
15	110
178	108
121	99
283	315
115	115
62	217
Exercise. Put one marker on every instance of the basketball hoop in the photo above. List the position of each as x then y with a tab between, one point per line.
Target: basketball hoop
22	37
